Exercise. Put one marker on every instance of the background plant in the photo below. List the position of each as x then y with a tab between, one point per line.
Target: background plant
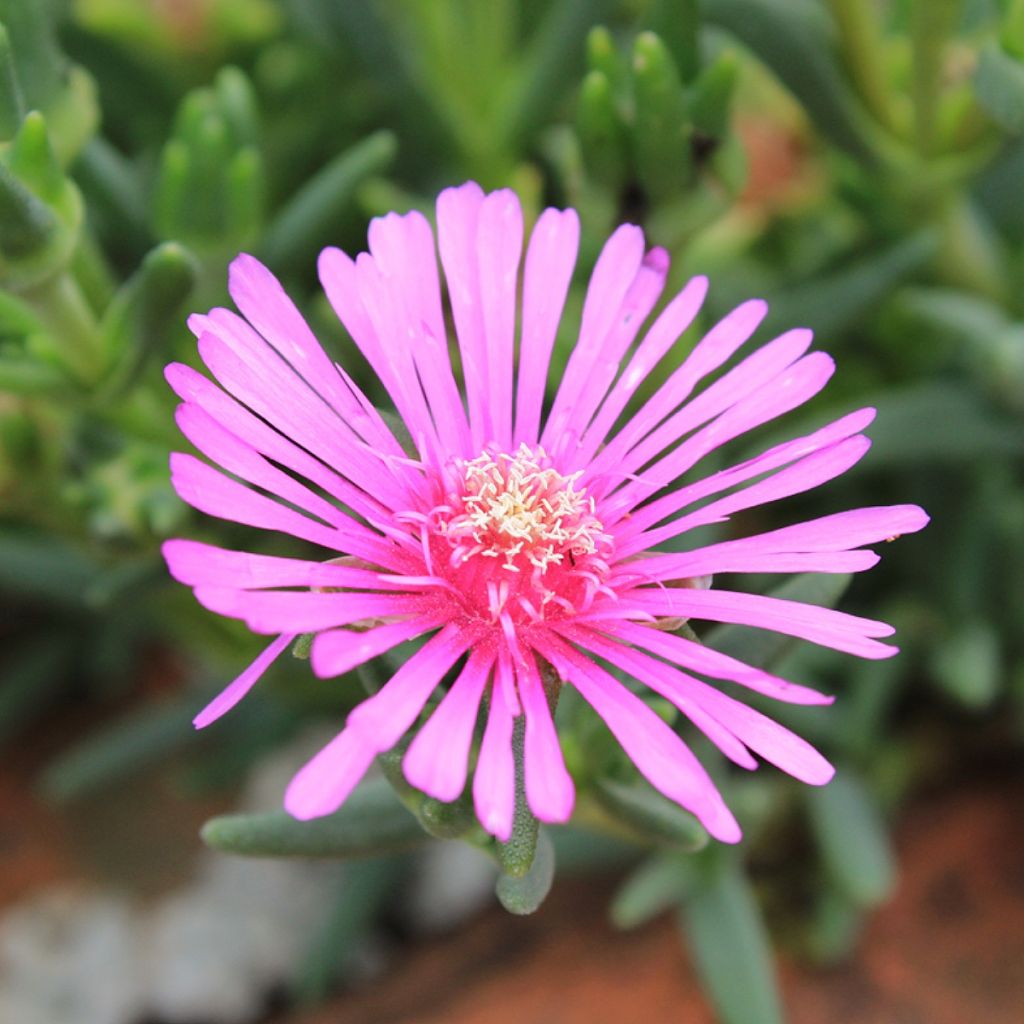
857	164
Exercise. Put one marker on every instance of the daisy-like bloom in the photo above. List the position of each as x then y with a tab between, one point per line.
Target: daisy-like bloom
509	538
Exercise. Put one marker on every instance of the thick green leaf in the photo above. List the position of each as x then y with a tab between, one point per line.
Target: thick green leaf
300	225
145	311
658	884
12	103
939	422
371	822
121	750
30	679
853	838
523	894
968	665
837	300
661	144
999	87
764	648
516	857
795	39
552	61
601	133
730	947
652	817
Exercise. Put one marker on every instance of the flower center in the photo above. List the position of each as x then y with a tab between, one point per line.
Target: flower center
522	536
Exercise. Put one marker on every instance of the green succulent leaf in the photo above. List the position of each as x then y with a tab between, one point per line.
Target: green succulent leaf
371	823
731	948
999	87
524	893
853	838
657	885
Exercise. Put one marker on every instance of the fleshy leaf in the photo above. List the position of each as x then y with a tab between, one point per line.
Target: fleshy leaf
372	822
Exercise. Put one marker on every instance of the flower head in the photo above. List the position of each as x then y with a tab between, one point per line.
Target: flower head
509	539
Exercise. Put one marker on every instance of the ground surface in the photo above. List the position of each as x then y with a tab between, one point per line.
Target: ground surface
949	949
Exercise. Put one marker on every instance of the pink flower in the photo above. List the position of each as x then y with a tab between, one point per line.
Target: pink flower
512	539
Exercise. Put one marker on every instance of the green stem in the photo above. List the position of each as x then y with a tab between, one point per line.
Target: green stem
862	44
931	22
968	254
63	311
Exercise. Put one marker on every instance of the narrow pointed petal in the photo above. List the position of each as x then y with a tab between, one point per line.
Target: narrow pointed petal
698	658
236	690
499	249
549	788
383	718
772	741
494	782
458	216
437	759
295	611
340	650
823	626
616	267
709	354
774	458
322	785
550	258
626	658
195	563
659	754
636	306
674	320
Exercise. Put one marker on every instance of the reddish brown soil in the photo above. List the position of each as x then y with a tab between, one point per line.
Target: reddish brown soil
949	949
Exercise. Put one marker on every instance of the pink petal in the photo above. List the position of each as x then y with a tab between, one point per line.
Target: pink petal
818	545
658	753
197	390
549	789
711	352
494	783
194	563
499	249
339	650
628	660
212	492
812	471
790	389
550	258
824	626
239	458
773	458
674	320
437	758
383	718
266	305
698	658
458	213
616	267
398	337
322	785
750	379
235	691
772	741
296	611
636	307
263	382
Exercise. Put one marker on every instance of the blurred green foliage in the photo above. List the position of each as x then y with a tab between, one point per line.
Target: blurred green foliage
857	164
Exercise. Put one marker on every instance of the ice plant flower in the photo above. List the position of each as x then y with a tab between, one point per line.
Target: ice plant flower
508	537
